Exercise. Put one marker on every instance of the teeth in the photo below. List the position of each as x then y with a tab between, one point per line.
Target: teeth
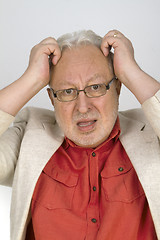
85	124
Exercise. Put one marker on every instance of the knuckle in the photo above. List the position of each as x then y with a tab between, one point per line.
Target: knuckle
34	48
49	40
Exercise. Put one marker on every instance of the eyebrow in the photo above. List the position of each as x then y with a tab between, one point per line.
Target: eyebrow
66	84
95	77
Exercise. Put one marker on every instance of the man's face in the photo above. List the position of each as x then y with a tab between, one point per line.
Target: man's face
86	121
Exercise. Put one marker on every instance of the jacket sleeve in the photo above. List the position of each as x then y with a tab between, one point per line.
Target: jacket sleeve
151	108
10	141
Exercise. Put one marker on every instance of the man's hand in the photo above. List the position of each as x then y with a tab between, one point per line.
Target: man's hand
124	60
126	69
36	77
39	59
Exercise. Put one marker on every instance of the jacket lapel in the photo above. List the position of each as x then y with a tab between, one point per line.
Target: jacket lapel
142	147
36	149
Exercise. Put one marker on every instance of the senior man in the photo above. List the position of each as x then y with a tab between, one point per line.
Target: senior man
82	171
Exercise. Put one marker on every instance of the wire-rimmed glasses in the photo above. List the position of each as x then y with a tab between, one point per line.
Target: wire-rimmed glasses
91	91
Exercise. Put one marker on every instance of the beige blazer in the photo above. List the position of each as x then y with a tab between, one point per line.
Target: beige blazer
26	147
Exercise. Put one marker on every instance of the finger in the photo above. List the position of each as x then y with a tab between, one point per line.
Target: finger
114	33
105	47
53	51
111	39
49	40
115	38
56	55
107	43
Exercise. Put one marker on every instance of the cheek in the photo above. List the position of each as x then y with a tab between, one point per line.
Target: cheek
109	108
63	114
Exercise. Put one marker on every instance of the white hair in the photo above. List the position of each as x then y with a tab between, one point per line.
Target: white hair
82	37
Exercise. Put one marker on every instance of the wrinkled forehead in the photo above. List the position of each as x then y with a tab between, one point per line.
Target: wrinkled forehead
82	60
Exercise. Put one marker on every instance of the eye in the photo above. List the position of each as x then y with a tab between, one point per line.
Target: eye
95	87
68	91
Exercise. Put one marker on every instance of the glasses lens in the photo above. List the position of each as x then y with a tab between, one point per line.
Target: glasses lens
67	95
95	90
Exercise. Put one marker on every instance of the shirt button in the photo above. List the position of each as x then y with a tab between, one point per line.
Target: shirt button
94	189
93	154
120	169
93	220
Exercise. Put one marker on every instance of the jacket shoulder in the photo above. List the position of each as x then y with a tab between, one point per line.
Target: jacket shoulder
133	120
35	117
134	114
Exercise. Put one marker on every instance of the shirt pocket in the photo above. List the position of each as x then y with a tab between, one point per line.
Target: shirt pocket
122	185
55	190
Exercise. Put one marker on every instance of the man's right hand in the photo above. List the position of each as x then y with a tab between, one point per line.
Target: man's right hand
39	59
36	77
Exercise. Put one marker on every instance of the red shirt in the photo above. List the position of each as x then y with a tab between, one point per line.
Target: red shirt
91	194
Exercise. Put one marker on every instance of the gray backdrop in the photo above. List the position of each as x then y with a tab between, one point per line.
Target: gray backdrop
23	23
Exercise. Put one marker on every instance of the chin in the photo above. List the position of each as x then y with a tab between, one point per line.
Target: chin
88	141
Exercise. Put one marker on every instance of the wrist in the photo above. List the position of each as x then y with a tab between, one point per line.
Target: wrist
32	80
130	74
140	83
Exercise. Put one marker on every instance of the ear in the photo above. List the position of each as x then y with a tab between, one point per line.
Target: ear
118	86
50	94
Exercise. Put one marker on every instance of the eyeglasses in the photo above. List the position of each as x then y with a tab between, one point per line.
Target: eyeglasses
92	91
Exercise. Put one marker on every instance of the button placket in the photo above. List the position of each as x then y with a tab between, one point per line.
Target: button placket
93	154
92	212
93	177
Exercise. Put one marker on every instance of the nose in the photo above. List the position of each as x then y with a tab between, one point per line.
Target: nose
83	103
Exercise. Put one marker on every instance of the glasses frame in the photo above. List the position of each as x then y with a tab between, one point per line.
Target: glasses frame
83	90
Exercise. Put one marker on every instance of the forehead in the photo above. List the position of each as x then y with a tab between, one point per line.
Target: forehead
80	63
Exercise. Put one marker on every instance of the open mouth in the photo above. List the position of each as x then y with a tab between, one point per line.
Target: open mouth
86	125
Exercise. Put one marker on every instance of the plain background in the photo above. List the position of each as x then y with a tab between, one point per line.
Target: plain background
24	23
